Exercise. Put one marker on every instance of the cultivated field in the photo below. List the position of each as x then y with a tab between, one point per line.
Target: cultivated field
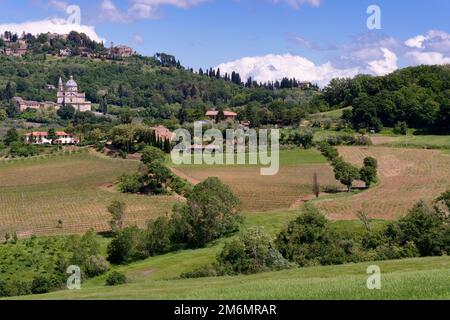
36	193
406	176
266	193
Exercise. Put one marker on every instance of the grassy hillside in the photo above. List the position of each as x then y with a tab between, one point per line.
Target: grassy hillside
401	279
421	141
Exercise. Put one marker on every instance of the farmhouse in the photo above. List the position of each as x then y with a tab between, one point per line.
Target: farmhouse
162	133
229	115
69	95
30	104
120	51
43	138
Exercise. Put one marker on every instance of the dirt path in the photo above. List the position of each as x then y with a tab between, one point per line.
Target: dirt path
184	176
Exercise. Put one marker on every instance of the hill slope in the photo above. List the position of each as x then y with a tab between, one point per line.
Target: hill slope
401	279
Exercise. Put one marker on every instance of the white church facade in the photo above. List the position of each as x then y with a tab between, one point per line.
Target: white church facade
69	95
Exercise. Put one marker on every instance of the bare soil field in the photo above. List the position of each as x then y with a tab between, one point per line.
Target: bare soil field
406	176
36	193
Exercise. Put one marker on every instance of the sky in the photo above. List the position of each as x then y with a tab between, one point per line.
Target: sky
311	40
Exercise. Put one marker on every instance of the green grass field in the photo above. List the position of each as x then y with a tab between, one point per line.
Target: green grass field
333	114
158	277
421	278
421	141
288	157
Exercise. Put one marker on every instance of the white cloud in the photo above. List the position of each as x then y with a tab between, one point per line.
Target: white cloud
434	40
429	58
384	66
50	25
141	9
138	39
296	4
431	48
59	4
415	42
274	67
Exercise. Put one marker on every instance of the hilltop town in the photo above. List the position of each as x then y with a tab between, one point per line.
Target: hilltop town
60	45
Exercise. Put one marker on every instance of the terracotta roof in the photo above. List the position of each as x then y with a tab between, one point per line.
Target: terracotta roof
44	134
216	112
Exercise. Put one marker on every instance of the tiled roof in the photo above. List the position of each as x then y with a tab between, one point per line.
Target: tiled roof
216	112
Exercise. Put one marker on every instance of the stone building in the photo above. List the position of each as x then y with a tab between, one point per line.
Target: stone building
69	95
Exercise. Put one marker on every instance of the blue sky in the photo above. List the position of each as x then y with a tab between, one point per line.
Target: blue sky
277	34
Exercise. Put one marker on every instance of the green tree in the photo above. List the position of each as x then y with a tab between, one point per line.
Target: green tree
104	105
346	173
11	136
126	246
211	211
425	228
254	251
307	240
9	91
3	115
66	112
117	211
52	135
151	155
158	236
130	183
368	173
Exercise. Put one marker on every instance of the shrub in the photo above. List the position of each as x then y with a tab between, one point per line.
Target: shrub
116	278
11	288
130	183
302	138
211	211
44	284
425	228
152	155
126	246
95	265
205	271
180	186
328	151
252	252
401	128
158	236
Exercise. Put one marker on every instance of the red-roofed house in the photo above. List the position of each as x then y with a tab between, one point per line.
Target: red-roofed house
42	138
163	133
229	115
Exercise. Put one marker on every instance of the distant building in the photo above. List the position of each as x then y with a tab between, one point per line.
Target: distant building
16	49
53	36
42	138
30	104
120	51
69	95
65	52
162	133
229	115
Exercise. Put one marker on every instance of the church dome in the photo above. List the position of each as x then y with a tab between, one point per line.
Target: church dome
71	83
